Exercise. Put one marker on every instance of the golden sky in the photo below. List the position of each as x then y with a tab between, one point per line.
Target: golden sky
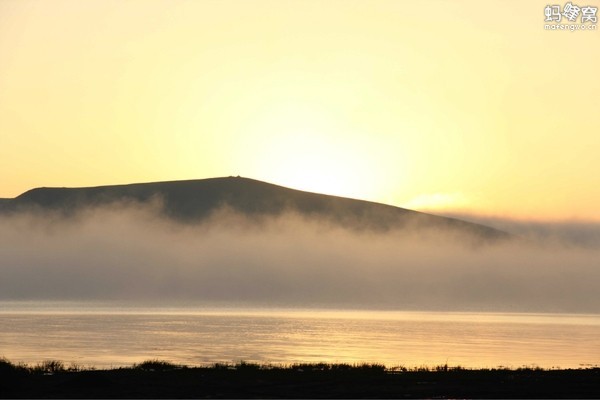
433	105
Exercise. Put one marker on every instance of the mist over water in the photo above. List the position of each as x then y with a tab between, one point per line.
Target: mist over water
130	252
575	233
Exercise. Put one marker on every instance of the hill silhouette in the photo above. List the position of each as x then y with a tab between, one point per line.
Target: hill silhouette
195	200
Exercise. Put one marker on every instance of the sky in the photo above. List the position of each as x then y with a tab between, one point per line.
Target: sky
444	106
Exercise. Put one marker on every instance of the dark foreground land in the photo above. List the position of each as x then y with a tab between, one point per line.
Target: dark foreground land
155	379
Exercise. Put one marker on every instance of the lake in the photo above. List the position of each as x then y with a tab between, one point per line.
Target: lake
111	335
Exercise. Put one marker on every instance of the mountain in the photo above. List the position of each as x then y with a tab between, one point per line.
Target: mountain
194	200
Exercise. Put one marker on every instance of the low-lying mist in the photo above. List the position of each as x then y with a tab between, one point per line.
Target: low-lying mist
561	233
130	252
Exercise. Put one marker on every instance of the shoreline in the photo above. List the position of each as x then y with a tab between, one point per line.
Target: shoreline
160	379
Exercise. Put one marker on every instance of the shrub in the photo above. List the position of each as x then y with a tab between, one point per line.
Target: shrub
49	367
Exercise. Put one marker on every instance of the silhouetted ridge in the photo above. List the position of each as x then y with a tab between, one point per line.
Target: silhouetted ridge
193	200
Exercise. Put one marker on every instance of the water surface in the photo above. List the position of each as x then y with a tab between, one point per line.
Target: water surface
105	335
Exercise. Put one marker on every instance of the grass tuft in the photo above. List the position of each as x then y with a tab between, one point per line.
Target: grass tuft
157	365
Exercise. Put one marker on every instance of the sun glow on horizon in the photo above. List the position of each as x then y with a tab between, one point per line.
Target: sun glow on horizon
304	147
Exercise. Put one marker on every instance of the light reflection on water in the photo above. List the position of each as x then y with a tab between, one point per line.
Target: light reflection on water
107	335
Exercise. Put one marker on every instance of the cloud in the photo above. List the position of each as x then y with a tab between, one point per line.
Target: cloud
437	201
129	252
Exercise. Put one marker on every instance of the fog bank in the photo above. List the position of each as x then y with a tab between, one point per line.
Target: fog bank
129	252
